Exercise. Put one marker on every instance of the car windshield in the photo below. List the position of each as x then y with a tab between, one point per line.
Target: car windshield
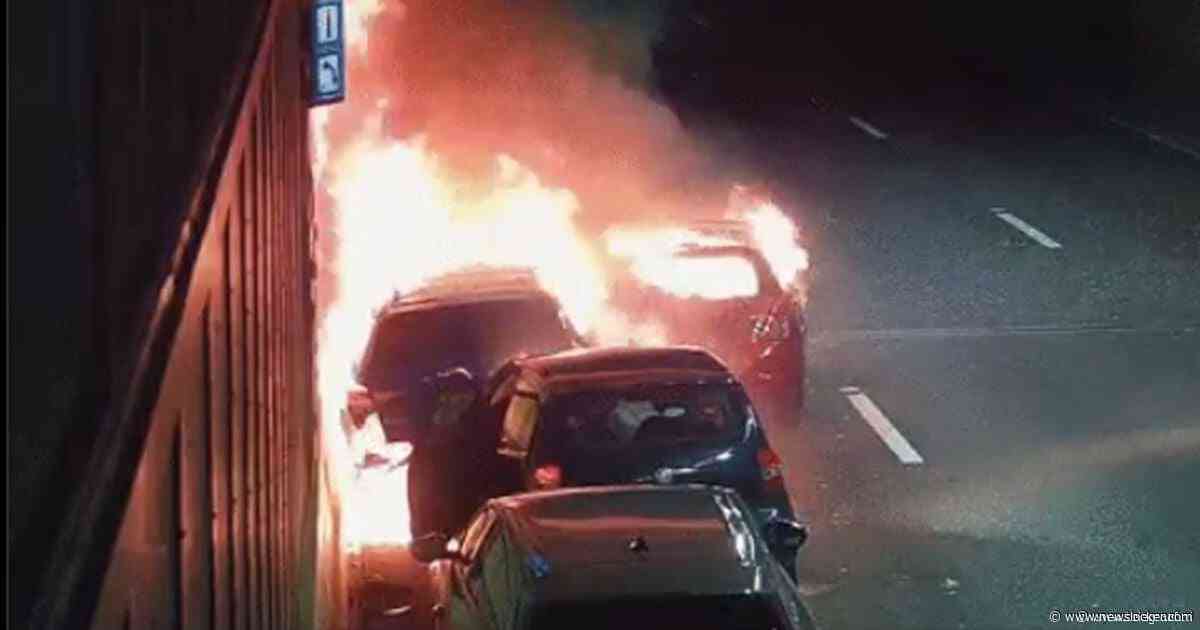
479	336
644	416
724	612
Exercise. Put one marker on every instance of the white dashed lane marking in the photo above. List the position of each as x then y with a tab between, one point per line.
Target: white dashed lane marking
887	432
1026	229
868	128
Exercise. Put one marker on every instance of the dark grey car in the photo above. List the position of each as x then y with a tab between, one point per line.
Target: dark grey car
613	557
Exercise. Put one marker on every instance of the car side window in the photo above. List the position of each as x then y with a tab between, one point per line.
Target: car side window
519	421
476	533
503	383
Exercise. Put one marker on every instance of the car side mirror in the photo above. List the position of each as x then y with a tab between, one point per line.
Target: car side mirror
431	547
784	534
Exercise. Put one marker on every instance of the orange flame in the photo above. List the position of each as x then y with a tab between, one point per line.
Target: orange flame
399	217
777	237
653	255
654	261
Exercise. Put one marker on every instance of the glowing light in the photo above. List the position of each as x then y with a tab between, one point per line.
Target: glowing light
776	236
654	260
358	17
400	219
710	278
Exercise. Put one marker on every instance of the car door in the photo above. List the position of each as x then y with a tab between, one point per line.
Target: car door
498	577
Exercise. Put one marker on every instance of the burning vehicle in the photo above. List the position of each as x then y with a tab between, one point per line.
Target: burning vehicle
424	353
737	287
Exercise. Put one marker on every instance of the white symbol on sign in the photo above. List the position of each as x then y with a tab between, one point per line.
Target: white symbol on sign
327	24
329	75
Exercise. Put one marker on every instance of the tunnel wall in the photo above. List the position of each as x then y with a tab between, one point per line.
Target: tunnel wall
217	532
166	449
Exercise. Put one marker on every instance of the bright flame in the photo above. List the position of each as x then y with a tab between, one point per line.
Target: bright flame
402	219
399	218
710	278
776	236
633	243
358	17
655	260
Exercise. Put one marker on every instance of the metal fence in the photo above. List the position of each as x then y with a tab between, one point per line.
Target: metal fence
194	506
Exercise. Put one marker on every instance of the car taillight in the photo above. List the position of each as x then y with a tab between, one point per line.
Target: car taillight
771	468
548	477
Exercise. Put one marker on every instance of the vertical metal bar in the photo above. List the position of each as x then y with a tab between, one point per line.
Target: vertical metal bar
222	436
175	531
260	371
239	435
254	252
202	519
252	325
269	375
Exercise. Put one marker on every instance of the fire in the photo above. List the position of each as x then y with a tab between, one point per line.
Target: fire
709	278
657	256
358	17
403	218
655	259
777	236
632	243
398	215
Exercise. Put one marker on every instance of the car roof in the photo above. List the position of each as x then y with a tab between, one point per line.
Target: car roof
624	358
469	285
689	537
735	230
623	366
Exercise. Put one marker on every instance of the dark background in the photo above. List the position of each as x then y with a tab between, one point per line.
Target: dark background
1135	55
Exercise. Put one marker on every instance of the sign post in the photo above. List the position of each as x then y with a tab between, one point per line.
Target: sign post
327	22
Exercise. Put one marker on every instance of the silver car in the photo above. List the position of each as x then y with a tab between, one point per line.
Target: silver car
613	557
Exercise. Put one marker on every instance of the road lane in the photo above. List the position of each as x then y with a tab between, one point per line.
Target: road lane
1054	394
878	421
1028	230
902	234
1059	472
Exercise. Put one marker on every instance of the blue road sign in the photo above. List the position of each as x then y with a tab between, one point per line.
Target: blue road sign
327	24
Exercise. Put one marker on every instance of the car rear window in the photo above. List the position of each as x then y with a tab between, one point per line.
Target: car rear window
703	276
644	416
479	336
724	612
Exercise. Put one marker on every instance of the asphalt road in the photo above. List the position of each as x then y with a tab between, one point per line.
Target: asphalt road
1051	394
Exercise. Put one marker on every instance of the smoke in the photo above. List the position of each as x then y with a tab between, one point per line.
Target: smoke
564	88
